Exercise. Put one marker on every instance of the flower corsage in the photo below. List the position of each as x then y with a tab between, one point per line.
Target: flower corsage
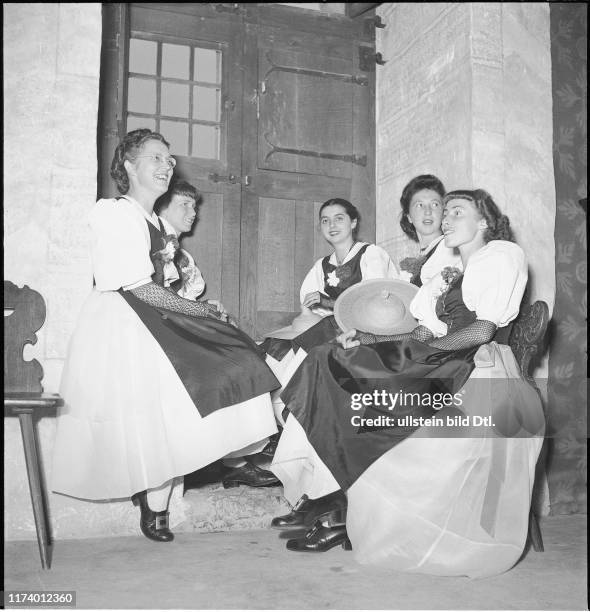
449	275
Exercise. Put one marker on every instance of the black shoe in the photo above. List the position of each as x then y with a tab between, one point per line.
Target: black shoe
330	508
321	539
250	475
295	518
153	525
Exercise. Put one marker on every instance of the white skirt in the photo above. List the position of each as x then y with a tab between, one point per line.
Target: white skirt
444	506
128	423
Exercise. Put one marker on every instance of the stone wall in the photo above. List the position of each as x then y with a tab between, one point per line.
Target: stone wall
51	79
466	95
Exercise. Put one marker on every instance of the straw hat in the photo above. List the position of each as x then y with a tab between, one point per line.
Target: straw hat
377	306
300	323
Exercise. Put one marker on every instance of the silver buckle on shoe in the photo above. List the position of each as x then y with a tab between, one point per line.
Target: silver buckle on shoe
162	521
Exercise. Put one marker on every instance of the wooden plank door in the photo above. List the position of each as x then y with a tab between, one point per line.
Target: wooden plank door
269	112
308	136
191	92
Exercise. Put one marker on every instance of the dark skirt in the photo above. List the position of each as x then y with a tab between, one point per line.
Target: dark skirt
218	364
321	393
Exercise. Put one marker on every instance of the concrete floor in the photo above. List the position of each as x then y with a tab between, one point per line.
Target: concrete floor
253	570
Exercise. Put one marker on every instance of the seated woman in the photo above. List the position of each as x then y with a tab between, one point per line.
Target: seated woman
421	217
417	499
155	386
177	209
351	262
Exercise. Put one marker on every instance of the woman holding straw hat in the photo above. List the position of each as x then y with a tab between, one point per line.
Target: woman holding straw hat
350	262
408	492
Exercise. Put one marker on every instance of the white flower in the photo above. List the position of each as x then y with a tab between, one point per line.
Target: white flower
169	251
333	280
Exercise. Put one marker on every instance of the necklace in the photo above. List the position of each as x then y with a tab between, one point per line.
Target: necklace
347	252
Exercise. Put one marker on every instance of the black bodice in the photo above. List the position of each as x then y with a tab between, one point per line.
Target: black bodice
451	309
347	274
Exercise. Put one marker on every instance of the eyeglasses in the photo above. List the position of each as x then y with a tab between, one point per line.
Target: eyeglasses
160	159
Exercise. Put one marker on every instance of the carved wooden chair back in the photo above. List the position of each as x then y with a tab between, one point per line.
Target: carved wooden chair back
20	325
526	342
528	333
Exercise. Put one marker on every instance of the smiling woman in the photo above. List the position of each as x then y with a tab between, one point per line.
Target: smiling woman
350	263
145	366
416	500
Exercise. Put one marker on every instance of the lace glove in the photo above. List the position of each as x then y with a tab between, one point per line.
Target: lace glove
421	333
157	296
475	334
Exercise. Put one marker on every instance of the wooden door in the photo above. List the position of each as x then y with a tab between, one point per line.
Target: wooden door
308	136
287	123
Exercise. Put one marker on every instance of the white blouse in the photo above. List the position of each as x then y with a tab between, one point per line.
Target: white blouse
120	244
493	285
194	286
375	263
442	257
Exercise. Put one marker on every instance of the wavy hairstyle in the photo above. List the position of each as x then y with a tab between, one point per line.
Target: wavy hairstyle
128	149
498	224
423	181
177	187
351	211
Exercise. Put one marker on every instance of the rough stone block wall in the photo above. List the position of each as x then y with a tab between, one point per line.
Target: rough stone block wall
466	95
51	78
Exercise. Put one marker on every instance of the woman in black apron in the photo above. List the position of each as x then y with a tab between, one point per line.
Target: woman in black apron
155	386
445	506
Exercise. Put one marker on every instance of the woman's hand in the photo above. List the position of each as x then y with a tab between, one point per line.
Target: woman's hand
218	305
346	340
312	299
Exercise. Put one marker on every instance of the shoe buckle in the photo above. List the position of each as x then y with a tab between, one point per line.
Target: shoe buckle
300	503
317	526
162	521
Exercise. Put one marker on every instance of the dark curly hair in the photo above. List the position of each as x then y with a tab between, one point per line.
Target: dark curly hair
351	211
128	149
423	181
498	224
177	187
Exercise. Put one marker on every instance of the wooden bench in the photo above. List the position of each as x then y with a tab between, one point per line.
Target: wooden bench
526	342
24	314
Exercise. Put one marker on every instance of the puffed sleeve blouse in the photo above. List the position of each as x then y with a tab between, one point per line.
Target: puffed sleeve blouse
120	245
375	263
493	285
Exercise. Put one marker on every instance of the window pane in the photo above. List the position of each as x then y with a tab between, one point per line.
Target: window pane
175	61
206	103
142	56
141	95
176	133
174	100
207	65
134	123
206	141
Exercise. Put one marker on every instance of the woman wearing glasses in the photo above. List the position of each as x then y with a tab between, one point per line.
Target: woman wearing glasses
145	366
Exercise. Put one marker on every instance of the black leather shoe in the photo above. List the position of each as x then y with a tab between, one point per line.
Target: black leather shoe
250	475
330	508
321	539
153	525
295	518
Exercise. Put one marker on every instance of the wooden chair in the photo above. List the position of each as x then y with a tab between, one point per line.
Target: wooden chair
23	394
526	342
